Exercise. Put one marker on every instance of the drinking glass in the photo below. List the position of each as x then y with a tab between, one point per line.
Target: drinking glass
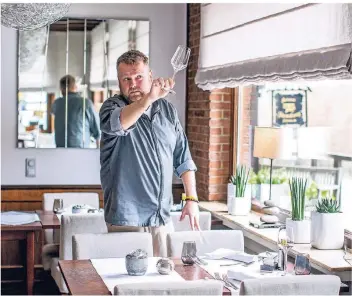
189	251
302	264
179	61
285	242
58	205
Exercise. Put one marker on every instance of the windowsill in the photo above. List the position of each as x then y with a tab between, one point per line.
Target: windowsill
326	261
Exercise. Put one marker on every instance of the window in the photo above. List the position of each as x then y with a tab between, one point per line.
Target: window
319	116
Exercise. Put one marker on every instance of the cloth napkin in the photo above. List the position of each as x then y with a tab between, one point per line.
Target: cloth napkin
18	218
230	254
240	273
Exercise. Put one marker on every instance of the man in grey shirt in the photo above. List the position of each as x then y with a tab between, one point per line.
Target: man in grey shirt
142	145
79	128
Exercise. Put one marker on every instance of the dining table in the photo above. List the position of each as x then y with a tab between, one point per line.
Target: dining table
81	278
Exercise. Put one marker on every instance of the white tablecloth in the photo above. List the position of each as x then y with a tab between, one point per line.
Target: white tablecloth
113	272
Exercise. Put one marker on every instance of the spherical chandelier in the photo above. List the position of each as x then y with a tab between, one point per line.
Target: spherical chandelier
31	16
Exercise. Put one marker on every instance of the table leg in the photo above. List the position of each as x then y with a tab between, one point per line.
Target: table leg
30	262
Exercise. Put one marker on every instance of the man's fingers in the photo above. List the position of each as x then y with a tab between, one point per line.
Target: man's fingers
182	215
196	223
191	220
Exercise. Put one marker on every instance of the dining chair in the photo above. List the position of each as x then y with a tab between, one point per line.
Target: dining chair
68	198
184	225
292	285
72	224
198	287
206	241
109	245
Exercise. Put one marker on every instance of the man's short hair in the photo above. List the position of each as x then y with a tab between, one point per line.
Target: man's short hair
132	57
68	80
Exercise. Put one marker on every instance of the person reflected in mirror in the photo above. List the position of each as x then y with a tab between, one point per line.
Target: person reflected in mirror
142	145
79	129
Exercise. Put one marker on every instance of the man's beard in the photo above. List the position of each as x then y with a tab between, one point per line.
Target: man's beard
135	95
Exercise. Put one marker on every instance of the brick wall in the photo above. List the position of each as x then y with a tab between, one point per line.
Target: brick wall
208	123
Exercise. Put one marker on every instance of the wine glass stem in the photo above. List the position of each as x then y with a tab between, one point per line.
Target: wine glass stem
285	260
173	76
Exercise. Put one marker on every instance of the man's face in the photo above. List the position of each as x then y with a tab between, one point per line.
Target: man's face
134	80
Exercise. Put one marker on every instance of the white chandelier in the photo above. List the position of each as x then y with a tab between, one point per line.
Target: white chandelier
31	16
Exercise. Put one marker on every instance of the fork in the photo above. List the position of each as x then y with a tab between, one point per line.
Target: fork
226	278
227	283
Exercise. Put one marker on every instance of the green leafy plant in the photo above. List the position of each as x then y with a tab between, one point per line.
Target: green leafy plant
253	178
312	191
298	193
279	176
240	180
328	205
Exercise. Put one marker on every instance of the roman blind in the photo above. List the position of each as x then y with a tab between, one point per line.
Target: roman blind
258	43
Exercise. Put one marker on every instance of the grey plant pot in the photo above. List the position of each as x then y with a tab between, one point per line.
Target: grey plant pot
136	266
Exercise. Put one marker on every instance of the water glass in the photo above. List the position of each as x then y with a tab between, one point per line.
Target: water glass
302	264
189	251
58	205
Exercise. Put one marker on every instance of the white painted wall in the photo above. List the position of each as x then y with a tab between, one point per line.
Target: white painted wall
81	166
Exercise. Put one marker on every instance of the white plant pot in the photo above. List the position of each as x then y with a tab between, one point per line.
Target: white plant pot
238	206
327	231
300	229
277	191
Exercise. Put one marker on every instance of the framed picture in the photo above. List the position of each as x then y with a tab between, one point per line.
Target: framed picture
289	107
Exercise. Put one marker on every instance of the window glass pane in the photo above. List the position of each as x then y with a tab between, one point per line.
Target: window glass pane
319	116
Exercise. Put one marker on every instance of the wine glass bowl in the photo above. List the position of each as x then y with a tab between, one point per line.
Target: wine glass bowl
179	61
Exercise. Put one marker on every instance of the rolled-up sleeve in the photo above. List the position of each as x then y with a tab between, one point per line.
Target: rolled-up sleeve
110	119
183	161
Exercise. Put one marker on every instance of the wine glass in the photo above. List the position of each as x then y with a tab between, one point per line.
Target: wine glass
285	242
179	61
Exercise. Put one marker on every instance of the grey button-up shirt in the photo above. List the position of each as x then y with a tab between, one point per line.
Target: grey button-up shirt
76	130
137	164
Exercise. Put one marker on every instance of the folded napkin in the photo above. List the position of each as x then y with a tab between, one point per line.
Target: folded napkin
230	254
252	271
18	218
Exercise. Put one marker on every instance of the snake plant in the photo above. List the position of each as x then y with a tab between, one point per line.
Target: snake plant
240	180
328	205
298	193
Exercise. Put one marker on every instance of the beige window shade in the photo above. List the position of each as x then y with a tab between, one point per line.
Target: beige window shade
257	43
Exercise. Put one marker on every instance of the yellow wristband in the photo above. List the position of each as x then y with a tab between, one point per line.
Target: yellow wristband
192	198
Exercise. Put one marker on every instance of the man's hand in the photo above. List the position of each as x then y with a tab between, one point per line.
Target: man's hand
191	209
160	88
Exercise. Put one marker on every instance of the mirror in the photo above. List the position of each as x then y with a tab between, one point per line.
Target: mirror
65	73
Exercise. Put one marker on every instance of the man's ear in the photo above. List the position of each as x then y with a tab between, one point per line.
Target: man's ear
151	75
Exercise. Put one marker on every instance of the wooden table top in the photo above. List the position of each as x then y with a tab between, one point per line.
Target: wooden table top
23	227
81	277
48	219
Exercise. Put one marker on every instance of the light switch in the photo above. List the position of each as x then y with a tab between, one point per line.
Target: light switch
30	167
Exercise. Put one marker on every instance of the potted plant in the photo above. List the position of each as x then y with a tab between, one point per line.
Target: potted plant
238	193
327	229
261	185
300	226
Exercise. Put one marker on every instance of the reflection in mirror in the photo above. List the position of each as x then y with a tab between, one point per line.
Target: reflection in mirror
65	73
